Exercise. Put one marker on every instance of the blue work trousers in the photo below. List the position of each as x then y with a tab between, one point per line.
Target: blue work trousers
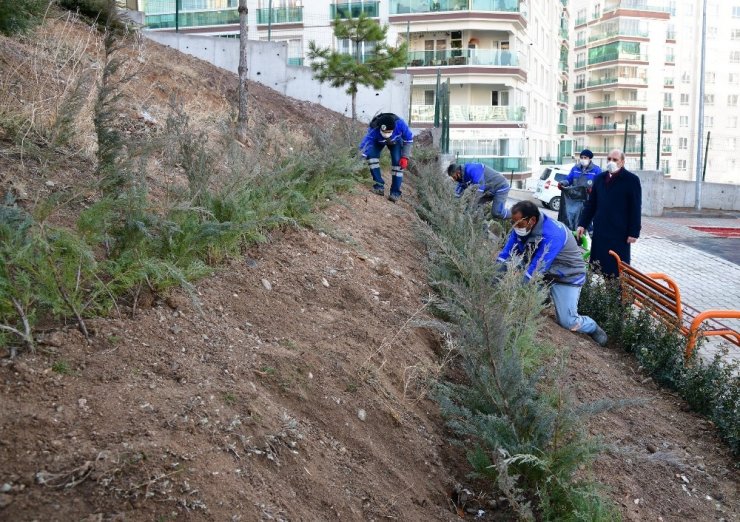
372	153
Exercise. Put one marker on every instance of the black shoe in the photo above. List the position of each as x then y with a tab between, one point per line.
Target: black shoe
599	336
394	197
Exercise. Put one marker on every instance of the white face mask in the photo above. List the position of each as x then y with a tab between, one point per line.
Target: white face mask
585	162
520	231
612	167
386	134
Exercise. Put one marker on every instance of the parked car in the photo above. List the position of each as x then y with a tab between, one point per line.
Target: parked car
547	187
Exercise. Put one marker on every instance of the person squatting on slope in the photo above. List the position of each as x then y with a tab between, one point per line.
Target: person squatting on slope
576	189
614	206
387	130
547	246
492	185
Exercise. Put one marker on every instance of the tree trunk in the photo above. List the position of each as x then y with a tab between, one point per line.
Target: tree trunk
354	106
243	87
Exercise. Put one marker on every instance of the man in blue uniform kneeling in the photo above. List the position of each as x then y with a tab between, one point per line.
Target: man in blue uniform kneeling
492	185
547	246
388	130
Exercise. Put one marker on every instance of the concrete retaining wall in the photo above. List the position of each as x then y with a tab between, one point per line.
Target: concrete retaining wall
268	65
681	193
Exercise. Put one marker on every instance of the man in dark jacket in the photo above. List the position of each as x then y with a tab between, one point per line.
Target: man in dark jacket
547	246
492	185
387	130
614	207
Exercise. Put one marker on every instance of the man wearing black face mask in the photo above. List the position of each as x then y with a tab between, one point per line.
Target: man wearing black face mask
546	245
615	208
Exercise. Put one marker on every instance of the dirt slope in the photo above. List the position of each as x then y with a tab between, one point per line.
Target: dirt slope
293	387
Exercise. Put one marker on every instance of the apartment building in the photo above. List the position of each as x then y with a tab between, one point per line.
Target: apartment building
506	61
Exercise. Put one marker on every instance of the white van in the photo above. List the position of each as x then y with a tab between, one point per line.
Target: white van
547	187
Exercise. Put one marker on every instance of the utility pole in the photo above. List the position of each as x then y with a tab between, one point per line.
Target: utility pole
177	16
697	201
706	154
657	153
269	21
642	141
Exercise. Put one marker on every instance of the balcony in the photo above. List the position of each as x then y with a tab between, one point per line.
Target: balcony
670	35
470	113
354	9
295	62
616	103
562	128
579	107
563	97
580	63
280	15
564	33
617	80
433	6
563	66
667	127
504	165
192	19
608	57
580	42
580	21
564	2
620	32
666	149
668	104
670	58
658	6
579	128
463	57
630	149
611	127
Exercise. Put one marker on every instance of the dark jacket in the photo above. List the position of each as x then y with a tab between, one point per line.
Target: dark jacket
549	248
615	209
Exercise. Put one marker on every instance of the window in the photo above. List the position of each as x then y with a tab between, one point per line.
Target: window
665	166
429	97
684	99
732	100
709	99
683	143
734	56
683	121
500	98
710	77
681	164
734	78
736	11
735	34
685	78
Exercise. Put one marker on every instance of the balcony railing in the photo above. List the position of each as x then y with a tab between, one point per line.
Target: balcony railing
667	104
564	2
580	63
280	15
612	127
616	103
616	80
562	128
668	127
580	42
563	97
607	57
629	149
563	66
295	62
563	33
619	32
670	35
354	9
670	58
505	165
470	113
463	57
666	148
579	106
668	82
658	6
432	6
579	128
581	20
192	19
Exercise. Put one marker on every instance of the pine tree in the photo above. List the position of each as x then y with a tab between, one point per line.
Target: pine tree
373	69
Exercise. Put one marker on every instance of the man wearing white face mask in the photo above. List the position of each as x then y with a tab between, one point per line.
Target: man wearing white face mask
615	208
547	246
387	130
576	189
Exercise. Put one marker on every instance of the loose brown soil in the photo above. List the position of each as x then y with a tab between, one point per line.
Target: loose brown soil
292	386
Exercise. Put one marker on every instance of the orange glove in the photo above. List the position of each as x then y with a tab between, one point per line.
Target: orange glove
404	163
